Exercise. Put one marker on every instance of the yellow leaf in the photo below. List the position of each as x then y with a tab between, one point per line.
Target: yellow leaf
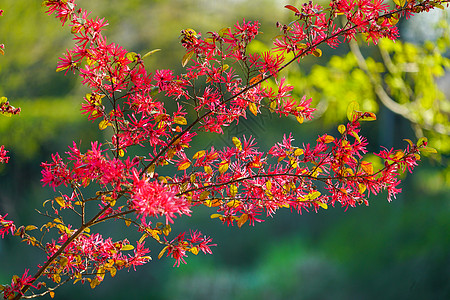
52	294
112	271
252	107
237	143
187	57
194	250
127	222
150	53
341	129
314	195
213	202
60	201
127	247
103	124
223	167
214	216
208	169
362	188
30	227
94	282
180	120
317	53
199	154
298	152
184	165
233	203
121	152
300	119
323	205
233	190
268	185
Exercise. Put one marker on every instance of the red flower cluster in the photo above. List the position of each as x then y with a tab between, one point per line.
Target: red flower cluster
241	183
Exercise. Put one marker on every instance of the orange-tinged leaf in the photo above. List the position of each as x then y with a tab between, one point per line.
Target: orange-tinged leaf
398	155
184	165
52	294
242	219
162	252
187	57
112	271
368	116
214	216
367	167
293	8
255	79
252	107
409	142
180	120
30	227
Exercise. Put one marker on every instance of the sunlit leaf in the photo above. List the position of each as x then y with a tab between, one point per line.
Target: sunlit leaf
233	190
341	129
187	57
293	8
127	247
317	52
194	250
131	56
427	150
237	143
199	154
242	219
180	120
184	165
103	124
150	53
323	205
223	167
352	110
252	107
367	167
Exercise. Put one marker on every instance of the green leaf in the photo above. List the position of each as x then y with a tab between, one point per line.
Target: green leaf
428	150
352	110
131	56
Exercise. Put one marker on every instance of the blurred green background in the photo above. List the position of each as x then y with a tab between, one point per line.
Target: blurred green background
398	250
